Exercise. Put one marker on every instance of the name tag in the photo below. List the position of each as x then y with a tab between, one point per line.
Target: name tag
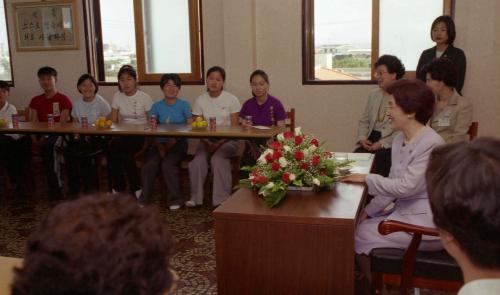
55	109
444	122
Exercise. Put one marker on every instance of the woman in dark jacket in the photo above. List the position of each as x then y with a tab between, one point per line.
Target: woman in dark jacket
443	33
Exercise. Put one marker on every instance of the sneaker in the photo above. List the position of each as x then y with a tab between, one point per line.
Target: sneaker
174	207
190	204
138	193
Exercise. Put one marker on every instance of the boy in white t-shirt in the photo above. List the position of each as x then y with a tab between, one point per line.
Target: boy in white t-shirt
15	149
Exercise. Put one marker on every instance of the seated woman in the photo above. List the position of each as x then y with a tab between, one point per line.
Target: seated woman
103	244
224	107
453	114
411	104
374	131
443	33
81	168
167	152
131	106
263	109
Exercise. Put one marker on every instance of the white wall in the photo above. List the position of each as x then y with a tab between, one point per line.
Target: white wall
242	35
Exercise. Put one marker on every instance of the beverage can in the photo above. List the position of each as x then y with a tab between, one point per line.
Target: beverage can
153	123
15	121
248	121
50	120
84	121
55	109
212	123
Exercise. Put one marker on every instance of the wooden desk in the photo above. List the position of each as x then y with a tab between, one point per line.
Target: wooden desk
171	130
305	245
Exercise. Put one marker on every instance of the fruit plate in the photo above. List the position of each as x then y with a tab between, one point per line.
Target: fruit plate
199	128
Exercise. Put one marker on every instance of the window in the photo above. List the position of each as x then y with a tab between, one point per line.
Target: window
5	66
155	36
343	38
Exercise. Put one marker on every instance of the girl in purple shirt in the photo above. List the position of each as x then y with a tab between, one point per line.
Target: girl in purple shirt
265	110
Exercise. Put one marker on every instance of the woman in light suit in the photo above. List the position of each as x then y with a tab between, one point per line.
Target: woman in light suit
374	131
411	104
453	114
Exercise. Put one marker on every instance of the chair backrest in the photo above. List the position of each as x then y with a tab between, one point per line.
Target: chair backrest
290	119
473	128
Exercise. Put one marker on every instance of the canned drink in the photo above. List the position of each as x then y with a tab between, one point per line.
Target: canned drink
212	123
153	123
248	121
55	109
84	121
50	120
15	121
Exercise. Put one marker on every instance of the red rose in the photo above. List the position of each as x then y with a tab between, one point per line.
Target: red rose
315	160
299	155
262	179
287	135
298	140
275	166
275	145
277	155
286	177
269	158
304	166
315	142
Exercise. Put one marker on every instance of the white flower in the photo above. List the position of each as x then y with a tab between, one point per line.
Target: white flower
306	153
292	177
312	148
287	148
316	181
262	159
283	162
298	131
269	185
268	151
280	137
251	177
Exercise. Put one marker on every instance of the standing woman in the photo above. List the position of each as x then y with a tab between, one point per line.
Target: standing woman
453	114
81	168
167	152
130	106
265	110
411	105
225	107
443	33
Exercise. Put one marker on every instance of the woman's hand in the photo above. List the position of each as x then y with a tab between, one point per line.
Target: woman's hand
356	178
376	146
366	144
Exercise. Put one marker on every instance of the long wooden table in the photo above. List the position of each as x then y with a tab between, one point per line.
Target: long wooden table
305	245
166	130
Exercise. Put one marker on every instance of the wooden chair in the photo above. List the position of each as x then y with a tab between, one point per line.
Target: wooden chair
290	119
411	268
473	128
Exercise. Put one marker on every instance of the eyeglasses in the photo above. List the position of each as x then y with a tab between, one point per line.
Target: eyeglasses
380	73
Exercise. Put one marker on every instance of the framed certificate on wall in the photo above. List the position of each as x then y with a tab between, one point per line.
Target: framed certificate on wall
48	25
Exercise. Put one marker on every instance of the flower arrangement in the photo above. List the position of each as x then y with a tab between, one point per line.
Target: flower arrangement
293	160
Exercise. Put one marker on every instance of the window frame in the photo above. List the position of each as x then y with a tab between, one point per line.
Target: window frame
11	81
95	53
308	44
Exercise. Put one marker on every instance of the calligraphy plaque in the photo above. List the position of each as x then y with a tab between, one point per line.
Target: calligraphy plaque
47	25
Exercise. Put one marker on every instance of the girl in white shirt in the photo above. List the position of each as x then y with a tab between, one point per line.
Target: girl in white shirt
225	107
130	106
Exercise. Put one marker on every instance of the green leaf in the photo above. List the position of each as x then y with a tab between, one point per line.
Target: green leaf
274	197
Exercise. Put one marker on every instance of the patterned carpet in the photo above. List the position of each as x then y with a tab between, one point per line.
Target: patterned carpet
194	258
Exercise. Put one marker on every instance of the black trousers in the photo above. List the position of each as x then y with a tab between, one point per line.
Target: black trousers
382	161
80	162
47	152
15	156
122	162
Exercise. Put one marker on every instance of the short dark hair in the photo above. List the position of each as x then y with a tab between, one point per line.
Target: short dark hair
87	77
46	71
463	182
393	64
260	73
103	244
219	70
129	70
4	85
413	96
170	77
450	27
442	69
